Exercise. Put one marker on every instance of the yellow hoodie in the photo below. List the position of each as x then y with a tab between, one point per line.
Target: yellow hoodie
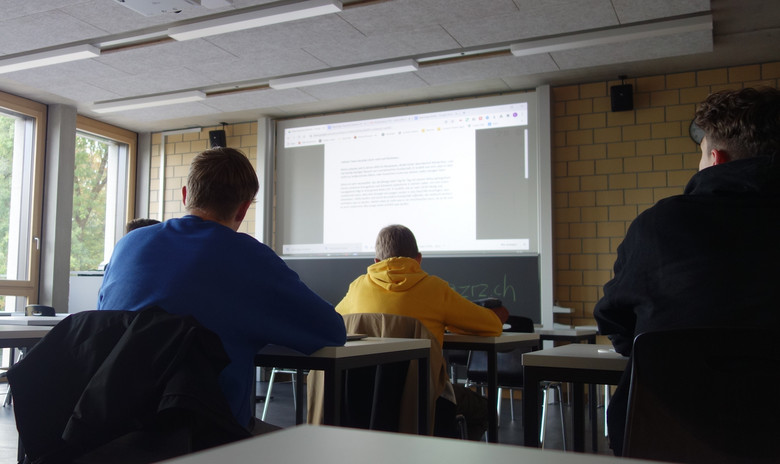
400	286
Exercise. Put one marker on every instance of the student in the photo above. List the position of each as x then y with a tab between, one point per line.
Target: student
396	284
707	257
137	223
231	283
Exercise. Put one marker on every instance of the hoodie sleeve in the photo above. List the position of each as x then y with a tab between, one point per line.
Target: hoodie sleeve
464	317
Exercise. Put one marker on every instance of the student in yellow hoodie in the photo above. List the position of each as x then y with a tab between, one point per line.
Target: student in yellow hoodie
396	284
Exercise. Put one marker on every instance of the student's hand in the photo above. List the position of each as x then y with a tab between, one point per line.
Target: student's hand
501	312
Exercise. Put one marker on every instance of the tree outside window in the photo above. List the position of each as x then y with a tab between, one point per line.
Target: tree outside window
6	173
89	203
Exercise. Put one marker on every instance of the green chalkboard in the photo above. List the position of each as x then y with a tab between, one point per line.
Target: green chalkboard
513	279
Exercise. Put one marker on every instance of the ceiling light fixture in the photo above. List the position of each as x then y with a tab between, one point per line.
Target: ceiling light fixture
258	18
36	60
341	75
148	102
615	35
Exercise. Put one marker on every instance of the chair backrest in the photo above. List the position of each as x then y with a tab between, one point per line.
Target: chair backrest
704	395
509	365
118	373
519	324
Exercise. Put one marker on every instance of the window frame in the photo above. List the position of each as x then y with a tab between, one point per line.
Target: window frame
122	136
38	113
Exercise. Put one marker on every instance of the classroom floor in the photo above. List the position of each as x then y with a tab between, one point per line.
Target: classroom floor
281	412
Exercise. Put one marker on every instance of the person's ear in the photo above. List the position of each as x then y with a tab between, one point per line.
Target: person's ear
241	212
418	258
184	195
376	260
720	157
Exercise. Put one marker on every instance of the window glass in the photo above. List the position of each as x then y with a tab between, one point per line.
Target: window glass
102	193
88	231
21	155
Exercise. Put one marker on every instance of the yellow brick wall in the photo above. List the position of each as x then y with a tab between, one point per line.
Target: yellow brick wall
609	167
179	151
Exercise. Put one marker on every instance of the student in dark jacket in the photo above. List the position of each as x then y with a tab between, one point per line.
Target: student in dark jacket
708	257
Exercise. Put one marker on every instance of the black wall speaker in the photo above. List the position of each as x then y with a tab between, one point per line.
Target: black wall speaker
622	97
217	138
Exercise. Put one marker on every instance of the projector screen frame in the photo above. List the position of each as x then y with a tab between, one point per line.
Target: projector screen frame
267	158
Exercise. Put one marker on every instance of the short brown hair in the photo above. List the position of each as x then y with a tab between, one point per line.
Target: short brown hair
219	181
137	223
396	241
744	123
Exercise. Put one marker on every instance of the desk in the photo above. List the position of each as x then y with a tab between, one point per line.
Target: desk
335	360
45	321
577	363
335	445
568	335
14	336
507	341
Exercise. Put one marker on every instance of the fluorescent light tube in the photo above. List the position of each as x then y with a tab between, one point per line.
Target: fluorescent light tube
608	36
36	60
148	102
340	75
264	17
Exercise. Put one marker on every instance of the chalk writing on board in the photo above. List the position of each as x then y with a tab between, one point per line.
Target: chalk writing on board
503	290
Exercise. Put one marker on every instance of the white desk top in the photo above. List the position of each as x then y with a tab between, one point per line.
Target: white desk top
335	445
506	337
32	320
366	346
19	331
577	355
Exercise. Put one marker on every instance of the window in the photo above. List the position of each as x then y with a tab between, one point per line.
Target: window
22	132
102	192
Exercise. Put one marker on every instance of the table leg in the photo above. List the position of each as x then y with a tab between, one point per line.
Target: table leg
530	408
299	398
333	391
594	421
422	395
492	368
578	416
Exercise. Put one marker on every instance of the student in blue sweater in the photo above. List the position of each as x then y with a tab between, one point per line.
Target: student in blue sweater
199	265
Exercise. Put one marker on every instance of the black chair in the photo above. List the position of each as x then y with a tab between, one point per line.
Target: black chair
124	387
690	398
510	373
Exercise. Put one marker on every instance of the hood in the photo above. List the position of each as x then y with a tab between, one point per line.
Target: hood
758	175
396	274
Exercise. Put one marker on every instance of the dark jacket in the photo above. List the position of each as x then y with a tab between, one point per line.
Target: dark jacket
708	257
99	375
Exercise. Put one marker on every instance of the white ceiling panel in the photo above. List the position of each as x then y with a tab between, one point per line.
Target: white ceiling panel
535	19
42	30
328	30
374	85
13	9
266	61
258	99
77	71
626	52
156	81
384	47
631	11
364	32
487	68
162	56
404	15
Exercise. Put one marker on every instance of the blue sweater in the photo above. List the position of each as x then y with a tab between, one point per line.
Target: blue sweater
231	283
